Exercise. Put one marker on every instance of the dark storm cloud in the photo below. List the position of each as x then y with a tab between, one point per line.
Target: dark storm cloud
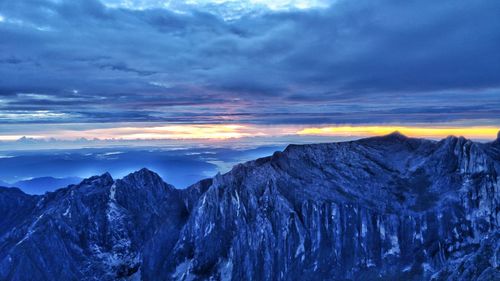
356	61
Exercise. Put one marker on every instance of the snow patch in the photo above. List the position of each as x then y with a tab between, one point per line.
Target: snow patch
226	271
208	228
183	272
382	231
300	250
120	253
67	212
113	213
31	230
394	250
427	267
364	228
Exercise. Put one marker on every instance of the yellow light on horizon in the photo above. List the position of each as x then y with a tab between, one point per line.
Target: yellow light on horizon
214	131
423	132
219	132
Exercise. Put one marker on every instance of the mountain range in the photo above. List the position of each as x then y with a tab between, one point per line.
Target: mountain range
40	185
380	208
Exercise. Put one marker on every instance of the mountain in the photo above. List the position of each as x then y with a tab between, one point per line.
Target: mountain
43	184
381	208
5	184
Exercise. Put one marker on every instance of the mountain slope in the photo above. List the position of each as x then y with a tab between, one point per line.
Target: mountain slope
91	231
388	208
43	184
383	208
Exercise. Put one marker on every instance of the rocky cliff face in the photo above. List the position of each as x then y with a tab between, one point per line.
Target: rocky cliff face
92	231
384	208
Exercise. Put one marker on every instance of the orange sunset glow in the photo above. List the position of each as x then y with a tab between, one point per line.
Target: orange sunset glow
419	132
237	131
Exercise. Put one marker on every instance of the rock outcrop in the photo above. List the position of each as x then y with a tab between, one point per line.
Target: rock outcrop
382	208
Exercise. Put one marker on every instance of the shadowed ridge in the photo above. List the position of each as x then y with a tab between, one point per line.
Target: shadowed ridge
394	139
41	185
193	192
144	172
453	141
282	213
93	184
15	206
493	148
108	221
145	178
396	135
5	184
16	190
104	179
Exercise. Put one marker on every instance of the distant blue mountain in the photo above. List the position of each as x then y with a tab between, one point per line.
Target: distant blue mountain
181	167
5	184
44	184
383	208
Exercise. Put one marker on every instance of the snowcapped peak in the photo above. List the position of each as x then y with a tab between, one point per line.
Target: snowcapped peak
498	136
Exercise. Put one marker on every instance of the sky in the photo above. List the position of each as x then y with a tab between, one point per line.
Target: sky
213	70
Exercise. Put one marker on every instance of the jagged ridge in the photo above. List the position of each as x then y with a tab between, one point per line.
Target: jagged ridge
382	208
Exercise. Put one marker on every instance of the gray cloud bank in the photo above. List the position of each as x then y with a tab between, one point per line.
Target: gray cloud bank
353	62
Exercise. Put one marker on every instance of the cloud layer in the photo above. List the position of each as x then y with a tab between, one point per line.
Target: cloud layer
344	62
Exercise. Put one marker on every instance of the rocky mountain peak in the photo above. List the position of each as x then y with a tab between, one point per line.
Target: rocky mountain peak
146	172
142	173
395	136
496	142
144	178
13	190
102	180
382	208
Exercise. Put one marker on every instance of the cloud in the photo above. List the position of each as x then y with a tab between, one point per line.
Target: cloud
347	62
227	9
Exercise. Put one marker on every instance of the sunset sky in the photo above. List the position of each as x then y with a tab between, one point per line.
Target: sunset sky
226	69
